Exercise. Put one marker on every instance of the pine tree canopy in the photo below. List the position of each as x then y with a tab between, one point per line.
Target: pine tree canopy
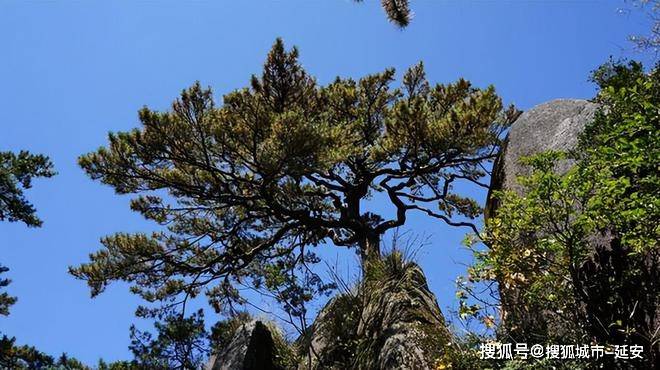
16	174
398	11
250	186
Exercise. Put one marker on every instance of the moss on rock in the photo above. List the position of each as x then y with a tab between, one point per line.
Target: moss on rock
391	321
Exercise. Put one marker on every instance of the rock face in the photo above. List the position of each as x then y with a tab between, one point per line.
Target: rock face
391	321
554	125
253	347
332	338
406	326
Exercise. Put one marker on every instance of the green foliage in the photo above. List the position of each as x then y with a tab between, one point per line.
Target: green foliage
392	267
339	324
393	277
582	247
292	290
284	355
398	11
248	188
542	364
118	365
180	343
271	346
25	357
391	301
21	357
622	155
69	363
184	343
536	241
16	174
5	299
462	353
223	331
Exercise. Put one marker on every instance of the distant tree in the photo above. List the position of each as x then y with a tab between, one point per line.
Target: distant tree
69	363
180	343
117	365
21	357
246	189
398	11
26	357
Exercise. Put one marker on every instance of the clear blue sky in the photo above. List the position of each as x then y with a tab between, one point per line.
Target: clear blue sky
70	72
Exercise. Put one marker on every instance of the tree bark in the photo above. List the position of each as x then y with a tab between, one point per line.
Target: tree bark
369	248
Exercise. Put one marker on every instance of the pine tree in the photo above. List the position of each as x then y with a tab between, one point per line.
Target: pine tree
5	299
16	174
398	11
180	343
247	189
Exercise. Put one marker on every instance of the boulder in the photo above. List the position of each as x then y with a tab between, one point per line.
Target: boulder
256	345
554	125
403	322
390	321
557	125
330	342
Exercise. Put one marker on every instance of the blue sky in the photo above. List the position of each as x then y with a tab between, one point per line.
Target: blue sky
72	71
